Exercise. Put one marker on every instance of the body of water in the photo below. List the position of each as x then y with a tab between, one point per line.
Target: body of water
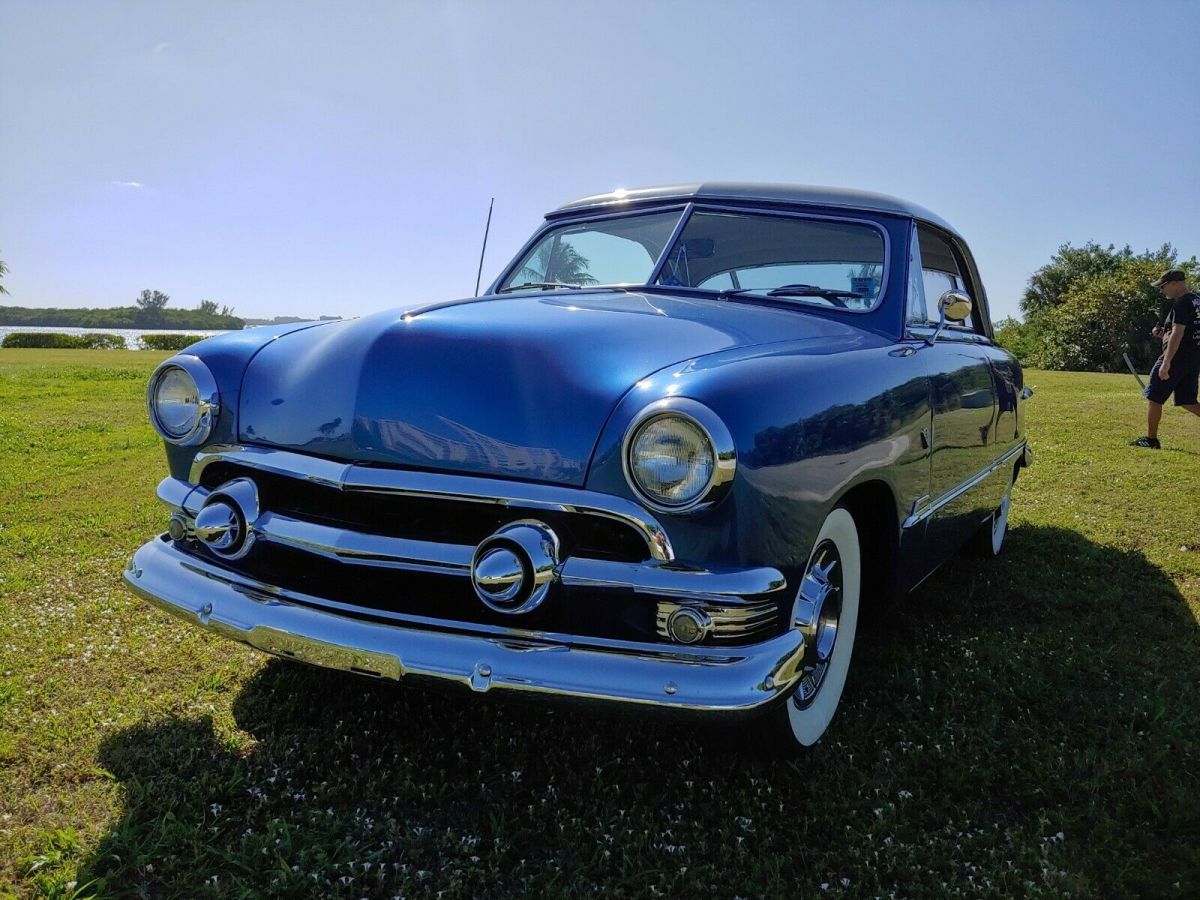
132	336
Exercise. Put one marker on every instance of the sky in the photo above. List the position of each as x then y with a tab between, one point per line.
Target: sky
293	158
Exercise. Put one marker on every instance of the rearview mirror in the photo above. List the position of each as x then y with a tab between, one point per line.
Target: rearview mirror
699	248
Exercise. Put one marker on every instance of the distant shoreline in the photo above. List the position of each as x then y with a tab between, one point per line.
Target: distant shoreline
118	317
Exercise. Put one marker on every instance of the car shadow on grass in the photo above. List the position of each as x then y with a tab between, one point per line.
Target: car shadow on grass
1022	726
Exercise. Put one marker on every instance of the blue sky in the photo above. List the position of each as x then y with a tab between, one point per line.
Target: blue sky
292	158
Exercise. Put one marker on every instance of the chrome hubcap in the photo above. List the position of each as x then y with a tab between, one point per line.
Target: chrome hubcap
818	609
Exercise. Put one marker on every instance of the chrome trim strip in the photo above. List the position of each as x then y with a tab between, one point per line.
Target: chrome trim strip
668	580
364	549
466	488
708	679
920	515
177	494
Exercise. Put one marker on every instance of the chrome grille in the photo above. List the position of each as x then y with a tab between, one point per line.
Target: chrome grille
729	622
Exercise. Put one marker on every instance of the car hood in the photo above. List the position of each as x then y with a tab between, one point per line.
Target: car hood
515	386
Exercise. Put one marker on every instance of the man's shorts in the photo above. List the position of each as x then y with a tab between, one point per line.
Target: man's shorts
1183	383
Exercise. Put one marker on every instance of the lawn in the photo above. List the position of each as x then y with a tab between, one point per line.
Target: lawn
1024	727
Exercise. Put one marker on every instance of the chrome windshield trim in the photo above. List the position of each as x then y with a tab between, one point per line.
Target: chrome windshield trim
921	514
670	244
466	488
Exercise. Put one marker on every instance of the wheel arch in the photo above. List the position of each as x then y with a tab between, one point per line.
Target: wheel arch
873	506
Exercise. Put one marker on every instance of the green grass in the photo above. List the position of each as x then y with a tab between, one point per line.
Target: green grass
1024	727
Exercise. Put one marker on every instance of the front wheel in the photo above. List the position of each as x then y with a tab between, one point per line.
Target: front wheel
826	613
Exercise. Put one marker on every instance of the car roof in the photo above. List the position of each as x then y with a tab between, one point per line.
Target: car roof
807	195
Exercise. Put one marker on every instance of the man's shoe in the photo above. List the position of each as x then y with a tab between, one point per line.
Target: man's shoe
1147	442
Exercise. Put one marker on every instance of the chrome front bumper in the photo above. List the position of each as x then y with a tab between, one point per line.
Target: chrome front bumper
701	678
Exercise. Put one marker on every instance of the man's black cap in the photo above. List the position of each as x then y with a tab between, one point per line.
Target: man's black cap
1170	275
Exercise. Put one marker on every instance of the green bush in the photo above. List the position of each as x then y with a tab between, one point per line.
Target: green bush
169	341
55	340
101	341
41	339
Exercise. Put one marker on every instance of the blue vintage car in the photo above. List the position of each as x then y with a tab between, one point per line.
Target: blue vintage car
663	461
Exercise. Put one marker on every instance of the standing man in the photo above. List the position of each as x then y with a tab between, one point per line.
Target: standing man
1178	369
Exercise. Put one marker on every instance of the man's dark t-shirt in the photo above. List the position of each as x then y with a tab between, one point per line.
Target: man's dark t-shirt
1185	311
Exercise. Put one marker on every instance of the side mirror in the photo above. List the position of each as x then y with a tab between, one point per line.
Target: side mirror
953	306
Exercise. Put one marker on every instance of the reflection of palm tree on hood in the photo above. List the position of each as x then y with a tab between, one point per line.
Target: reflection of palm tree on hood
558	262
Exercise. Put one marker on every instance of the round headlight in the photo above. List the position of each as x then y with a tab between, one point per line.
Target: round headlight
183	400
176	402
677	454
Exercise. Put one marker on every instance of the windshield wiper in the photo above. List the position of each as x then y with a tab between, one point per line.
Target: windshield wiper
544	285
796	290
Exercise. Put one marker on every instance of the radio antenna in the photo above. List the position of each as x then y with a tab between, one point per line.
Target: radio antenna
486	229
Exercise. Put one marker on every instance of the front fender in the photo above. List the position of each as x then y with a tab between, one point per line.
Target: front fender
809	423
227	356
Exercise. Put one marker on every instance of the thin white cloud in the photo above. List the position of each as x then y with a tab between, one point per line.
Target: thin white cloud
129	184
159	48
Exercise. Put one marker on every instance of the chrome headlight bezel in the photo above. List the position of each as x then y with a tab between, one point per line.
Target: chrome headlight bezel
720	440
208	406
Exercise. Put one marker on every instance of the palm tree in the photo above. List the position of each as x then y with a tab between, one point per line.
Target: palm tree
557	261
3	272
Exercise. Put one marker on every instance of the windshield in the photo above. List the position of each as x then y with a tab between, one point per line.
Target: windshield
792	259
608	251
838	264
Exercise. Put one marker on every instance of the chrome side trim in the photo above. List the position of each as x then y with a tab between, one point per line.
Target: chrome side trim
920	515
685	677
465	488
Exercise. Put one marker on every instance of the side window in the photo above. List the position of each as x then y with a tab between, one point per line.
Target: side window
940	272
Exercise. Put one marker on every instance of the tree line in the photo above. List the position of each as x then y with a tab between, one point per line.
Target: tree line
1091	304
148	311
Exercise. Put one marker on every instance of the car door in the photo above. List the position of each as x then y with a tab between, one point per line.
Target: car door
963	398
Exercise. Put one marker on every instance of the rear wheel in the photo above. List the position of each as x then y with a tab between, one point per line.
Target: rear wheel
989	540
826	613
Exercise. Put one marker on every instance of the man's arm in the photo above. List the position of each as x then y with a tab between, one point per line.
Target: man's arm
1173	342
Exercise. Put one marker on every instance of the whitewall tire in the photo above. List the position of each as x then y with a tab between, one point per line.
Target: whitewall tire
989	541
826	612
